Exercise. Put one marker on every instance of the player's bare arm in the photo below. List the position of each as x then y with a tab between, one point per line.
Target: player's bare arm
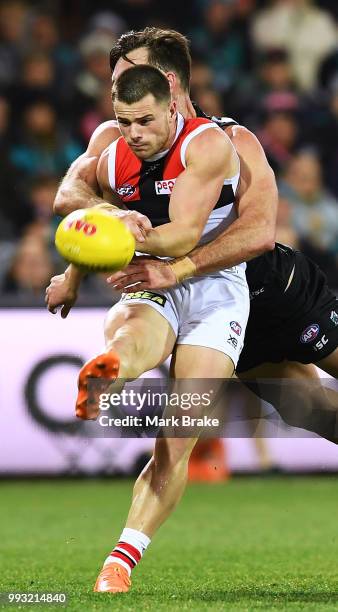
253	233
79	188
63	290
210	159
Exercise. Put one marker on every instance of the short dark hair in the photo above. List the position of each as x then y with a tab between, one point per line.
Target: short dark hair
139	81
167	50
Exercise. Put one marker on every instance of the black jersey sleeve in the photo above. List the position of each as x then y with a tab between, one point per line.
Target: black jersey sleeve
222	122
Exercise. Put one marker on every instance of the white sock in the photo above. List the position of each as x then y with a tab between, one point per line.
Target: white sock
129	549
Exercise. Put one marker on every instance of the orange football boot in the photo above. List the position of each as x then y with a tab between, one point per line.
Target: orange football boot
113	578
105	366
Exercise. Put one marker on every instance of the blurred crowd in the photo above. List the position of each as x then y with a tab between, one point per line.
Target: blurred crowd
271	65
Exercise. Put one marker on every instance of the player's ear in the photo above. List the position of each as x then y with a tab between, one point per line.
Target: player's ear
172	109
171	76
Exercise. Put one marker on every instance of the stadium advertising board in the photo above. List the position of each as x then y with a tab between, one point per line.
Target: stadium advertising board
40	359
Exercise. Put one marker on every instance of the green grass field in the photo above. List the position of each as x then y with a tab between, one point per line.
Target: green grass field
251	544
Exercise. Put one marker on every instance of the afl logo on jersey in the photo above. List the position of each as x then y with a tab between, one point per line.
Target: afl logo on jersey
126	191
310	333
164	187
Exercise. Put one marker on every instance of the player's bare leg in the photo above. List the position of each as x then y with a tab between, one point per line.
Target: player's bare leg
256	431
137	339
306	403
161	484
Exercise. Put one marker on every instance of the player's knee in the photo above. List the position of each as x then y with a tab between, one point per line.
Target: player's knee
114	320
123	333
125	344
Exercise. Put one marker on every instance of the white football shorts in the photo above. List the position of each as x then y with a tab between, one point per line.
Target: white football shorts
210	311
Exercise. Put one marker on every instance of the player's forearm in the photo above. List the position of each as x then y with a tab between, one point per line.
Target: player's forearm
79	188
74	276
73	195
173	239
238	243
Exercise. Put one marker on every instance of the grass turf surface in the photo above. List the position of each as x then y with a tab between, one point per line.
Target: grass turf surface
250	544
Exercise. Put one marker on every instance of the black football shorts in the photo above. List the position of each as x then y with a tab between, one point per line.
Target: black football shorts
299	323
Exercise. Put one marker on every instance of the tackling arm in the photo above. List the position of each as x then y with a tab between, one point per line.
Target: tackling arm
253	232
210	159
79	187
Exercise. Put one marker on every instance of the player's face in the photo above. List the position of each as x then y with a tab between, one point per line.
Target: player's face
148	126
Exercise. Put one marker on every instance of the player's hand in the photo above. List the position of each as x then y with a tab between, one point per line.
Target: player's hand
60	292
138	224
148	273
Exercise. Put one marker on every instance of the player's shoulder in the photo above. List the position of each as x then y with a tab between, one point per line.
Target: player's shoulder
106	126
106	133
248	146
242	134
208	148
193	122
196	125
203	128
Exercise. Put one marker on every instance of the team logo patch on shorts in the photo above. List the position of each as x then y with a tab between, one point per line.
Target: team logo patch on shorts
334	317
145	295
310	333
236	327
126	191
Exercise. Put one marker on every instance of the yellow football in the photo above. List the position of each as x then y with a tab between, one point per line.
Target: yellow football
95	239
